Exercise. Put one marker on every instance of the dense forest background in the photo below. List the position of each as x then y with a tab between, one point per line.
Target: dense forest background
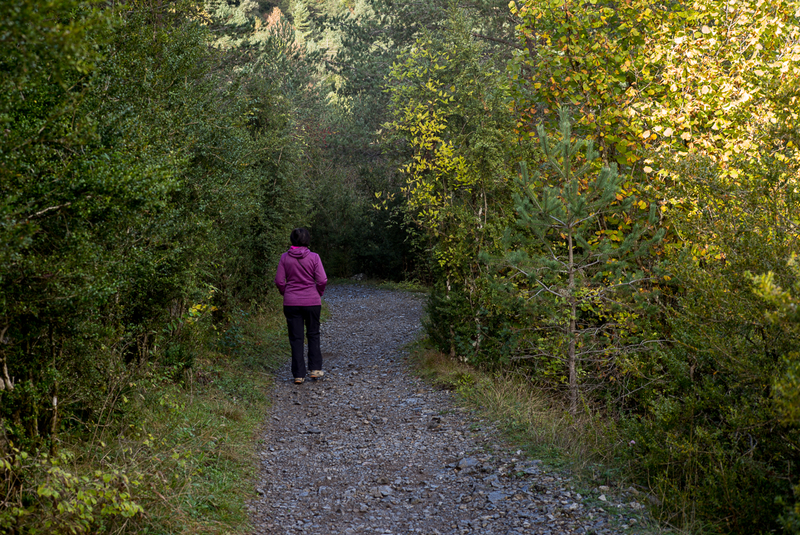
602	195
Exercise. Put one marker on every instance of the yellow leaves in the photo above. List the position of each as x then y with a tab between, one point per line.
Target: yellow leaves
647	169
614	235
647	135
706	75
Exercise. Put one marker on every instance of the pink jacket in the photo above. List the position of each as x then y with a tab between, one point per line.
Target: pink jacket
301	278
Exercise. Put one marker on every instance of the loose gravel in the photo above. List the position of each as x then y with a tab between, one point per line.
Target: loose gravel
372	449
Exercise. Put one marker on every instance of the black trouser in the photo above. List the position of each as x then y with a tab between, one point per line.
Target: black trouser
296	317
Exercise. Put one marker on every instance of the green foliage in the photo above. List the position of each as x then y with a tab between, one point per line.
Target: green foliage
65	502
707	428
149	181
479	332
692	102
177	460
153	177
572	261
786	316
786	387
353	237
588	54
364	41
450	107
710	78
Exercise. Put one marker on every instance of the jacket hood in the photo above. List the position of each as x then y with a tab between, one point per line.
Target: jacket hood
299	252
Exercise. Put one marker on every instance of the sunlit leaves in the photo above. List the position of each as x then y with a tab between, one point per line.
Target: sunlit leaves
724	71
587	55
713	78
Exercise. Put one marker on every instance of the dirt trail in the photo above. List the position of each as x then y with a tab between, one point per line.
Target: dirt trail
371	449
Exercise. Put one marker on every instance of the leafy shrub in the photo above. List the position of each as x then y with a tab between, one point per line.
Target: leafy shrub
708	430
64	502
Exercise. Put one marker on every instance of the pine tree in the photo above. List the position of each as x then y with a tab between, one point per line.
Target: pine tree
575	242
301	17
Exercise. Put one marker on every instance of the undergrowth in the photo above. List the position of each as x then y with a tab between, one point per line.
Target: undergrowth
175	455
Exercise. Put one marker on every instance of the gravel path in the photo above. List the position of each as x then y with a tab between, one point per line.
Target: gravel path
371	449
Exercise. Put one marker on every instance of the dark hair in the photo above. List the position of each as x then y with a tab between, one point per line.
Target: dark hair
300	237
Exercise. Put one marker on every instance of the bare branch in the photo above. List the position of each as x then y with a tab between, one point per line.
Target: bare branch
496	40
49	209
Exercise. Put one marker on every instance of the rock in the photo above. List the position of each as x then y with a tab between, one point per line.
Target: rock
494	481
468	462
496	496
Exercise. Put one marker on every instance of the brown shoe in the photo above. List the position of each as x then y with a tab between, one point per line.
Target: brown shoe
316	374
298	380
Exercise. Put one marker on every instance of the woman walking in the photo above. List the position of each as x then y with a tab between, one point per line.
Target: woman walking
301	281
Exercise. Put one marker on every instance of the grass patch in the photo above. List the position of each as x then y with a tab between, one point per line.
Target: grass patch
194	449
201	436
404	286
539	423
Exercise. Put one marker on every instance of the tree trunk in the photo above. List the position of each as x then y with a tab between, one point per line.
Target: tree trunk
573	311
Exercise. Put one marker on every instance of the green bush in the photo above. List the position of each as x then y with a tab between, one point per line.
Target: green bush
709	435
